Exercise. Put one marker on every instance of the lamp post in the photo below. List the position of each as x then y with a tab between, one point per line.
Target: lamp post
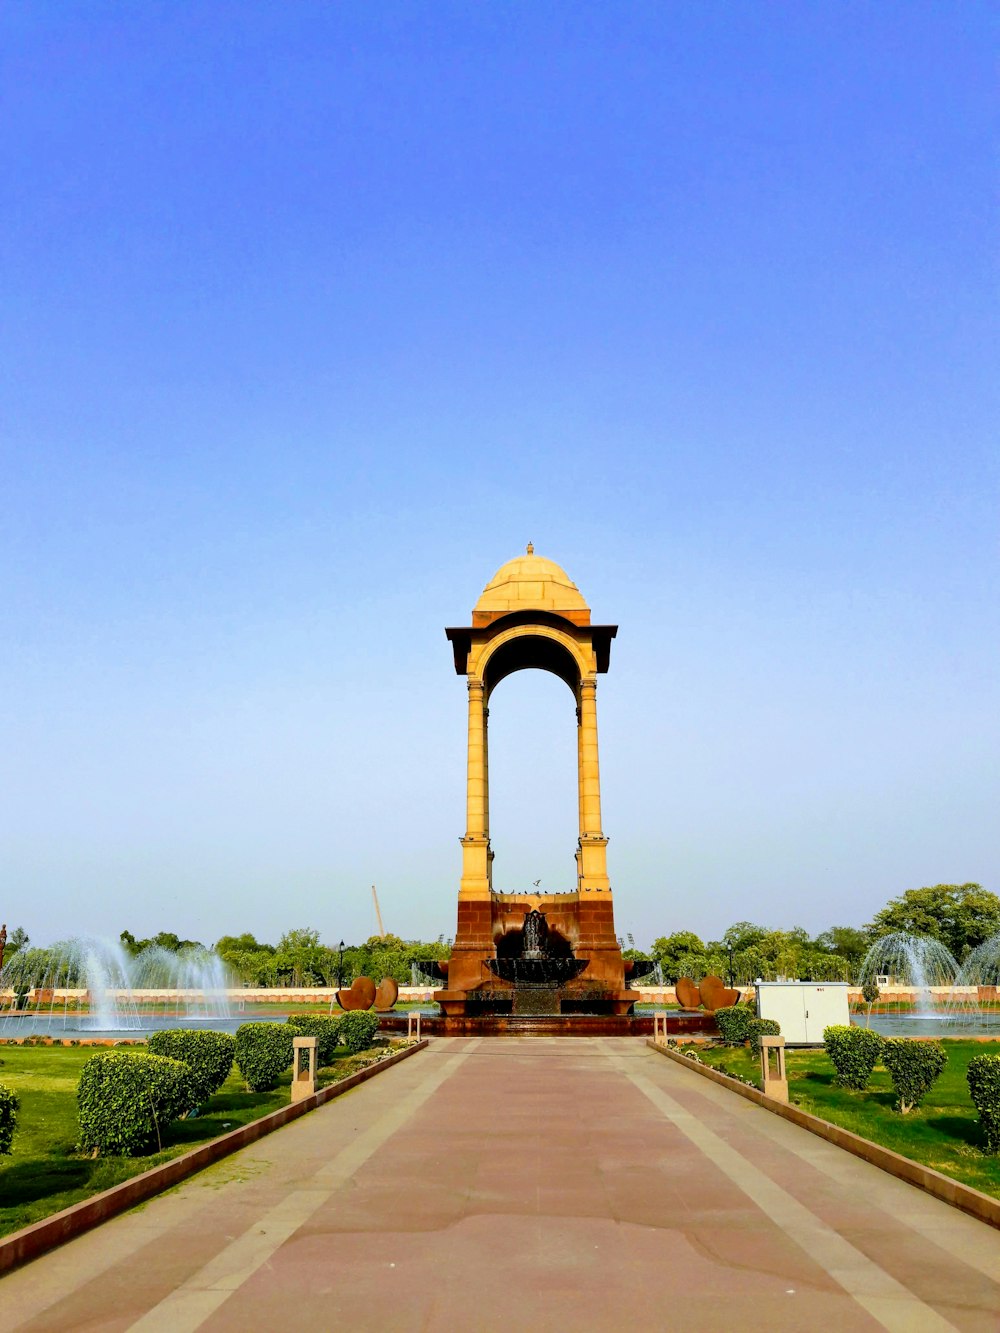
340	965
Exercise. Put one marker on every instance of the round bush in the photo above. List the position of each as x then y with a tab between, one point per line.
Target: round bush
325	1030
984	1087
357	1030
870	992
853	1052
263	1053
761	1027
913	1067
734	1023
126	1099
209	1056
9	1106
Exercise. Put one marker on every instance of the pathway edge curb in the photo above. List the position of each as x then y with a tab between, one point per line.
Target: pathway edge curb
969	1200
32	1241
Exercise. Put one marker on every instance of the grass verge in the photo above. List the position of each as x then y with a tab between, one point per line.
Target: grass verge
943	1133
45	1172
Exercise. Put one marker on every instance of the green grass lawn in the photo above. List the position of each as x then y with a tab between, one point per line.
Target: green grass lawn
45	1173
943	1133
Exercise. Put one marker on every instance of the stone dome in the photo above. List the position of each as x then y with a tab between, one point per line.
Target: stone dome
531	583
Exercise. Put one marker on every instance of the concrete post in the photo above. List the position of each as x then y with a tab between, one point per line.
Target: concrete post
303	1074
773	1085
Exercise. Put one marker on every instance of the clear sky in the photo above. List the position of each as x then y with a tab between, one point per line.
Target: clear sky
314	314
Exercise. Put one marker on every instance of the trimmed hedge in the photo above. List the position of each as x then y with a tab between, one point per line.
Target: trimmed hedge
9	1107
357	1030
853	1052
126	1099
209	1056
761	1027
984	1087
913	1067
263	1053
734	1023
325	1030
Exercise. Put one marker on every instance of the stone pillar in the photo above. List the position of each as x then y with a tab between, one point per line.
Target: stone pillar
475	844
486	794
590	773
475	792
592	856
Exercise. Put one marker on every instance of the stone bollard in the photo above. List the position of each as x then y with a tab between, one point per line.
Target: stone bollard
660	1017
774	1085
303	1074
410	1017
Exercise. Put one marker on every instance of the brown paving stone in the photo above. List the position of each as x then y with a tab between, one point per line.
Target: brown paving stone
960	1294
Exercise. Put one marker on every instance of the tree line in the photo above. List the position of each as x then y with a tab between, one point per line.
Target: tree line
960	916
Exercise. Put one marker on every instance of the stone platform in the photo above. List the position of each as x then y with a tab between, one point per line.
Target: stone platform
551	1025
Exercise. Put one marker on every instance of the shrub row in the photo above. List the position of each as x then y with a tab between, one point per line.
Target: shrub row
9	1106
125	1100
853	1052
325	1030
913	1066
984	1087
761	1027
209	1056
734	1023
738	1024
263	1053
357	1030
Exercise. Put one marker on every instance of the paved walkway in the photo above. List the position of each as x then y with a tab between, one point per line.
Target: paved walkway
535	1184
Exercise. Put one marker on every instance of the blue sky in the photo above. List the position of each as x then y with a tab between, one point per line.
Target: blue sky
314	315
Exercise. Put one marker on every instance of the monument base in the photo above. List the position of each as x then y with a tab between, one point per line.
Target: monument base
551	1025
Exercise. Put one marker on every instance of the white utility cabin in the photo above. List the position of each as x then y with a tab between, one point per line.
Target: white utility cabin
803	1008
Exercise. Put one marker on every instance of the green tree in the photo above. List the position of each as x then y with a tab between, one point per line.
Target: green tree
166	939
742	934
18	939
679	952
301	959
848	942
959	915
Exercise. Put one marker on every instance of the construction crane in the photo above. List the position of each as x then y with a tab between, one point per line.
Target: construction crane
378	915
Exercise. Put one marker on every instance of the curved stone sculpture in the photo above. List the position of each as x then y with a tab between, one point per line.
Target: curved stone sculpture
386	994
360	996
688	995
715	994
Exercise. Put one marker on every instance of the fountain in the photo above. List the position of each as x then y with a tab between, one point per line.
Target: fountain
538	972
91	985
982	970
914	960
948	999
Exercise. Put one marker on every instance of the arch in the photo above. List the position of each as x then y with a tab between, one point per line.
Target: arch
528	653
527	647
532	780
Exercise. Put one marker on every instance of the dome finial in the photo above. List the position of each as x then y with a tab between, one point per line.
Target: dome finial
530	549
